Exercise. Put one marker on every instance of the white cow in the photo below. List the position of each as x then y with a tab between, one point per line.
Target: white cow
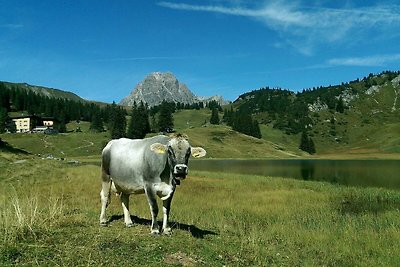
154	166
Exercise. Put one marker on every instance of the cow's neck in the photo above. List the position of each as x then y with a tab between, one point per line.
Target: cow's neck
168	177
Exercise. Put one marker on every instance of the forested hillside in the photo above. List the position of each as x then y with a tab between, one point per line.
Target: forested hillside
330	115
43	91
17	100
361	115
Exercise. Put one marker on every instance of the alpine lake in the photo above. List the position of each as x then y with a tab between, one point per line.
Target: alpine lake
360	173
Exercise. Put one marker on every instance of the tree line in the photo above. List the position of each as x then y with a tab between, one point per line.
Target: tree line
134	123
242	122
15	99
137	125
120	122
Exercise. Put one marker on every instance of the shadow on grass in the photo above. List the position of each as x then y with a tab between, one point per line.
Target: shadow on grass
375	203
4	146
192	229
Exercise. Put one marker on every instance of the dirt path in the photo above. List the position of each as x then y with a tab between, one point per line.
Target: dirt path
395	100
84	146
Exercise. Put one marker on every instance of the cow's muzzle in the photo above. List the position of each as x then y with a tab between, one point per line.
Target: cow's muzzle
180	171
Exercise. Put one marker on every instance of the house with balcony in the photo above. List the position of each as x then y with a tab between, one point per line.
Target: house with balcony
33	123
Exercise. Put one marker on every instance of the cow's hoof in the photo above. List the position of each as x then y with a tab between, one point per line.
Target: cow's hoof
167	231
129	225
104	224
155	233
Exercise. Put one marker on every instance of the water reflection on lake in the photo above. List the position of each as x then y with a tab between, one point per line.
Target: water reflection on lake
377	173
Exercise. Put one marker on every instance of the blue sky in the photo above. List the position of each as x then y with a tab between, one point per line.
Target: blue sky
101	49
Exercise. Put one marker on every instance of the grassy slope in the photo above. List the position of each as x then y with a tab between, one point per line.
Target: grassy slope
49	216
61	146
221	142
357	136
370	127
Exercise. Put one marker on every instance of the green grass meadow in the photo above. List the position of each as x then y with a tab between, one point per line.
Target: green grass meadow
49	216
49	208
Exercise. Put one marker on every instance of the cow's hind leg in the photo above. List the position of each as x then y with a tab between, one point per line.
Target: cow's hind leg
151	198
125	208
105	200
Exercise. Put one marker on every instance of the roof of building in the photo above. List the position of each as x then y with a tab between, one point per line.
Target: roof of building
35	117
24	116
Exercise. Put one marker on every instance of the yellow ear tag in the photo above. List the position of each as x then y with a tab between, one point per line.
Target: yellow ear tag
198	152
159	151
158	148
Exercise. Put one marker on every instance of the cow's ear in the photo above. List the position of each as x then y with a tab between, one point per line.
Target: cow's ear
158	148
198	152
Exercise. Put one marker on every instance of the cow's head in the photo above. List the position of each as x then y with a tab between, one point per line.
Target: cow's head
179	151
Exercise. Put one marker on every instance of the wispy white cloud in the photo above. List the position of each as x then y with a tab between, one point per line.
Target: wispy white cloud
304	27
268	13
369	61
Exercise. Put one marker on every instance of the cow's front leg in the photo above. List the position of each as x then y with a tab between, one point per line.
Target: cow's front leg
151	198
166	209
125	208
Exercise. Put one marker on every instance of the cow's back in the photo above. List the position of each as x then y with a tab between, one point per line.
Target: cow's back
131	164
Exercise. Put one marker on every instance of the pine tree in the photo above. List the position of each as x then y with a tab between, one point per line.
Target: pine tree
256	132
340	105
311	146
96	124
139	124
17	99
244	123
228	117
3	119
4	97
165	118
306	143
61	125
12	127
214	104
117	122
214	116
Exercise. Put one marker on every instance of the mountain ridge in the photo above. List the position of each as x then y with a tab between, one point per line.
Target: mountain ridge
349	118
45	91
157	87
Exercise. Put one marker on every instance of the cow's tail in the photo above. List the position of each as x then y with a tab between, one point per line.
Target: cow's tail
105	187
105	174
105	162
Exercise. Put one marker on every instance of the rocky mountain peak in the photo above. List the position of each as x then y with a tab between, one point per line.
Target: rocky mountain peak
157	87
